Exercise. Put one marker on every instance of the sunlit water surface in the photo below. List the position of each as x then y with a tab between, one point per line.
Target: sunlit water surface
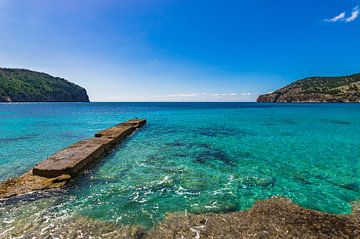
194	157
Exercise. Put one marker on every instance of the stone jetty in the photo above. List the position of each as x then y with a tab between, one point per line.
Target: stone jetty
66	164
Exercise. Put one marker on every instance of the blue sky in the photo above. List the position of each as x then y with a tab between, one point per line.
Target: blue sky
167	50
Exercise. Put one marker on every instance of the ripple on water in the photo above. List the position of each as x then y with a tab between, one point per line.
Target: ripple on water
193	159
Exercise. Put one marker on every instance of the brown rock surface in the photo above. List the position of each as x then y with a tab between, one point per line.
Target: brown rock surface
274	218
78	227
28	182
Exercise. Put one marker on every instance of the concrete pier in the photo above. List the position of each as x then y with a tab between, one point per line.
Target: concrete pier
69	162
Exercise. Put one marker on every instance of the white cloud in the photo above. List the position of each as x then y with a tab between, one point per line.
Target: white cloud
203	96
188	97
342	16
354	15
339	17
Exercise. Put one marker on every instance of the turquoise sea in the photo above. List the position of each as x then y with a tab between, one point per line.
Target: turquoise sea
190	157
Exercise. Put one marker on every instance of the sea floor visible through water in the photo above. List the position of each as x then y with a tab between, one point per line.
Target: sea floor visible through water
190	157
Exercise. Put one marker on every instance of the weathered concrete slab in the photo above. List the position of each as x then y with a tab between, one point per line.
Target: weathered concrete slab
71	160
67	163
74	159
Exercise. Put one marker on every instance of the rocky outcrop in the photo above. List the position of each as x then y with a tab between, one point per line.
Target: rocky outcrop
66	164
20	85
273	218
318	89
29	182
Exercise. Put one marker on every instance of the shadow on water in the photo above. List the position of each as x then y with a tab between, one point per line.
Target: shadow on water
33	196
336	122
222	132
277	122
210	155
199	152
175	144
15	139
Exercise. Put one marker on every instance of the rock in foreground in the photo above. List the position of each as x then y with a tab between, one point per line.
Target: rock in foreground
274	218
318	89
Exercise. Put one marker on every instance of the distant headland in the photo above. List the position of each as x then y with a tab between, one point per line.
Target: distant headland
318	89
21	85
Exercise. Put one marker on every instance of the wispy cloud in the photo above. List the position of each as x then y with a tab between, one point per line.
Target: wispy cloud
354	15
204	96
190	97
341	17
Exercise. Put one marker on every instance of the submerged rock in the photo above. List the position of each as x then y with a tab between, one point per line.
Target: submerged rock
352	186
224	207
211	155
266	182
78	227
260	182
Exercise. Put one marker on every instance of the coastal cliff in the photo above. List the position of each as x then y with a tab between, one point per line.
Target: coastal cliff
318	89
21	85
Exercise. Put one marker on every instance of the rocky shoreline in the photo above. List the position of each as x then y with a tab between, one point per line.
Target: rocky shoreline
273	218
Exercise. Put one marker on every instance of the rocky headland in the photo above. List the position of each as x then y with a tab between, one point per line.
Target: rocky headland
318	89
21	85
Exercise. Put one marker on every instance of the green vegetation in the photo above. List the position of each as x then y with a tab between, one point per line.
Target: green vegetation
20	85
318	89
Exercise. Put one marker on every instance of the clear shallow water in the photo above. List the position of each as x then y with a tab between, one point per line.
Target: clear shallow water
194	157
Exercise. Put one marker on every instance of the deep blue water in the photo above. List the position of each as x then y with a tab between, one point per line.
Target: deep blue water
194	157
